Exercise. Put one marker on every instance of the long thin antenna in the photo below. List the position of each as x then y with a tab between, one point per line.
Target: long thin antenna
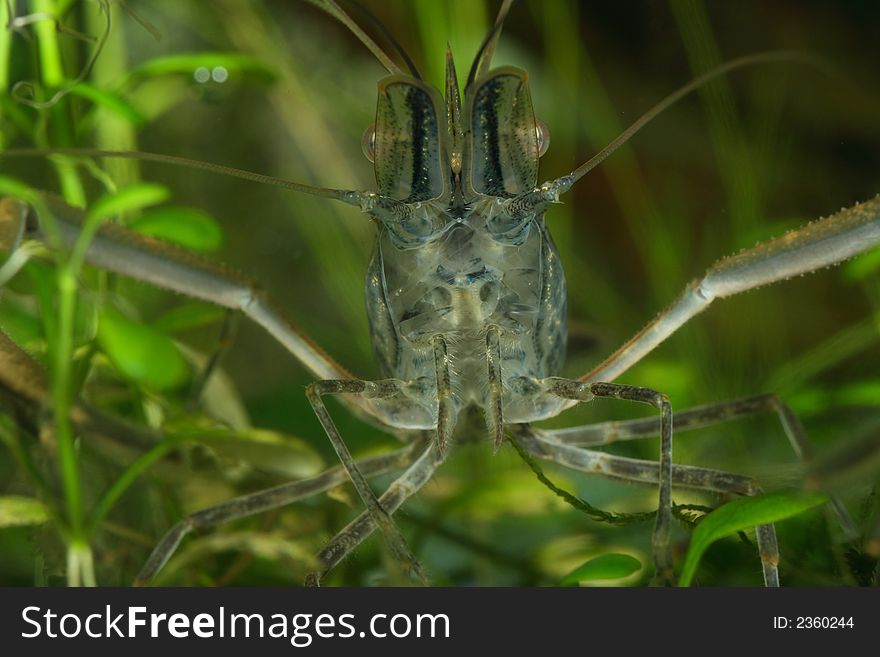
732	65
489	49
336	12
483	60
323	192
379	25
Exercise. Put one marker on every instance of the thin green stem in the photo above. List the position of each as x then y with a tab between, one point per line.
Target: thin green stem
80	565
51	68
61	398
128	477
112	132
52	76
9	436
79	556
5	47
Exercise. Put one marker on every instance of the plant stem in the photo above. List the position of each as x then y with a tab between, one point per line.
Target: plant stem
52	75
61	398
5	46
127	479
112	132
80	565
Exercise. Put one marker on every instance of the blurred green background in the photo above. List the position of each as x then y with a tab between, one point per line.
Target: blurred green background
280	88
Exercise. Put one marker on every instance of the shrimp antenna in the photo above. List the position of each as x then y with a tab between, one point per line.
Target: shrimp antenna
330	7
483	60
696	83
347	196
379	25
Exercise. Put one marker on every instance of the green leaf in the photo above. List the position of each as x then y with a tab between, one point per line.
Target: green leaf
189	316
127	199
19	322
140	352
607	566
16	188
14	115
740	515
186	227
110	101
270	451
43	278
859	393
187	63
16	511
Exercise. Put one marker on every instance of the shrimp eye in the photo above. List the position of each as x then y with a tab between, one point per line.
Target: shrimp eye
543	137
368	142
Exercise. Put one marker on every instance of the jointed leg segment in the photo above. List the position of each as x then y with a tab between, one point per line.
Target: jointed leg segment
542	446
379	389
819	244
273	498
494	415
581	391
358	529
703	416
379	514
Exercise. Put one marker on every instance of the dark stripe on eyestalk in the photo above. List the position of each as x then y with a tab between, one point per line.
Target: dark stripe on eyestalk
409	151
491	176
504	147
420	183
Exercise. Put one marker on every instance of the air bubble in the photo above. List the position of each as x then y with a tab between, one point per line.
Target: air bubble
202	75
219	74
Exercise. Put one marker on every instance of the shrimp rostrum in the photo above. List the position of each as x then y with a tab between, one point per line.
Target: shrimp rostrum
466	300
